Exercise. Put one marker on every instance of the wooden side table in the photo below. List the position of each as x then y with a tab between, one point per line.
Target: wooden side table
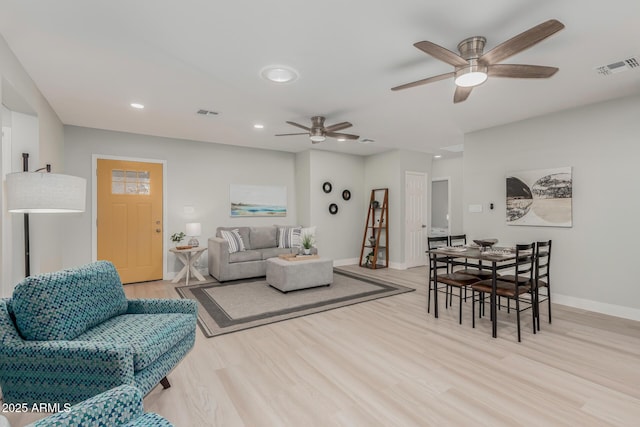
188	257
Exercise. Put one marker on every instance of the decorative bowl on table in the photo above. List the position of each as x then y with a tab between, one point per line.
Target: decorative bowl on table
485	243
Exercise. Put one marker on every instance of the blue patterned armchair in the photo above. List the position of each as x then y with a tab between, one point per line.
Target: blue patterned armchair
121	406
70	335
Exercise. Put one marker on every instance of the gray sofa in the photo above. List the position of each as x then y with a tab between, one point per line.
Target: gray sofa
261	243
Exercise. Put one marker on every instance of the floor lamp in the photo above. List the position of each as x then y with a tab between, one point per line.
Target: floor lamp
42	192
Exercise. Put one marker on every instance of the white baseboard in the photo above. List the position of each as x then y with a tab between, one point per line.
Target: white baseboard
596	306
346	261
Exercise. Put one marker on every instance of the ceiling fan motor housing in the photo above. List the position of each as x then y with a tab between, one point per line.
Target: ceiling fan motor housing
472	48
474	73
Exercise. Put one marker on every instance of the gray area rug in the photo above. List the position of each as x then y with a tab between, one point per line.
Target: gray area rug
242	304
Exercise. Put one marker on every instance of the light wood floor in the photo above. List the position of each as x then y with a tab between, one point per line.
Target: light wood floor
389	363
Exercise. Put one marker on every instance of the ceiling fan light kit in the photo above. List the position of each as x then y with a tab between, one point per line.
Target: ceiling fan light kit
472	75
317	138
472	66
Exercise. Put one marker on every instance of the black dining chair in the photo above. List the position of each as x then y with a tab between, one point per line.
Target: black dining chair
476	270
450	279
436	262
541	275
512	286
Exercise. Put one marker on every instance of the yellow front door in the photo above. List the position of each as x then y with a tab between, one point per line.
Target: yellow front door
130	218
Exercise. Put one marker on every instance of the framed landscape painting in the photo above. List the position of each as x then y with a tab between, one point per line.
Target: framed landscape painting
257	200
540	197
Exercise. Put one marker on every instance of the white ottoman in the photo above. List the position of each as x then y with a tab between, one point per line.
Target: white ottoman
292	275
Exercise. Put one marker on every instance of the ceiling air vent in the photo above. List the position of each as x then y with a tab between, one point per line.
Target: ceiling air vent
618	66
207	113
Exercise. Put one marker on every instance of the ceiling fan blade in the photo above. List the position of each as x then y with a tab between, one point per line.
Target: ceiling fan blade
338	126
461	94
521	71
342	135
441	53
424	81
298	125
521	42
289	134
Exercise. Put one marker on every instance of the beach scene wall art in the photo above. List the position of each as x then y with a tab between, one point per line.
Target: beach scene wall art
541	197
257	200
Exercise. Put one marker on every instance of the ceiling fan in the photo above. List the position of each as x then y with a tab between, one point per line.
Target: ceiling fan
472	66
318	132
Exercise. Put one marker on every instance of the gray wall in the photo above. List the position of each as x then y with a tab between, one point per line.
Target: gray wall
387	170
198	175
591	261
47	232
341	234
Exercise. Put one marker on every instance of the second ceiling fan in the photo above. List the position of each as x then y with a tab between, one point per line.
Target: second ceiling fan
473	66
318	132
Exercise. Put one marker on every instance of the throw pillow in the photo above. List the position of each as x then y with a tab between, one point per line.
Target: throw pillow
233	238
289	237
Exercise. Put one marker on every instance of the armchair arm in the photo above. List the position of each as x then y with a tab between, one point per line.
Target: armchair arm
158	306
113	407
44	371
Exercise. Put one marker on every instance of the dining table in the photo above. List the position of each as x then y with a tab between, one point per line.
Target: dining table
492	258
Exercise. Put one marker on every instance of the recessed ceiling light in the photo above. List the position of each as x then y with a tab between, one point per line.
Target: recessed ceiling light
437	156
279	74
137	105
258	126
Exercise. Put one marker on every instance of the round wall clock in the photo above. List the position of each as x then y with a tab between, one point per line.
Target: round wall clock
333	208
346	194
327	187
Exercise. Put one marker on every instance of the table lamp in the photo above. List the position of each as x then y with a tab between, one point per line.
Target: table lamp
194	229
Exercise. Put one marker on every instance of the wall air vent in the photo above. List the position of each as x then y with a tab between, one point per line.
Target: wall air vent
618	66
207	112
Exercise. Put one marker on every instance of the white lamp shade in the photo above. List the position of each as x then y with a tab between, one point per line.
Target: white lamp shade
38	192
193	229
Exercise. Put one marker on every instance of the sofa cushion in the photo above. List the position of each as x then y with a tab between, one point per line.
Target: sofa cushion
289	237
245	256
263	237
274	252
234	240
244	233
66	303
149	335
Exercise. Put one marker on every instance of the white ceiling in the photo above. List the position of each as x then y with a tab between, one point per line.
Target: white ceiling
91	59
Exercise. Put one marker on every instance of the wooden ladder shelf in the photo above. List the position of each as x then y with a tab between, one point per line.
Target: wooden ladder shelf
375	241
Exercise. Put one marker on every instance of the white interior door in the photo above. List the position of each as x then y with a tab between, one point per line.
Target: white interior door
415	218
